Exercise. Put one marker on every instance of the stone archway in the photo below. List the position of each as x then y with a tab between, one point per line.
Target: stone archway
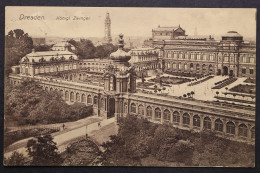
111	108
225	71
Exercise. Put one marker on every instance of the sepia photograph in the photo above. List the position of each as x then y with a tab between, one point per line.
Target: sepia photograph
129	86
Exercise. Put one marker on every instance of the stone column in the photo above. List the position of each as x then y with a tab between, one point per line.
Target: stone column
213	123
224	127
236	130
153	113
181	118
145	111
201	123
162	111
191	121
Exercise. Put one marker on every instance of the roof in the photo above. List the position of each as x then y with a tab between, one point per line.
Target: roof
166	28
48	55
232	34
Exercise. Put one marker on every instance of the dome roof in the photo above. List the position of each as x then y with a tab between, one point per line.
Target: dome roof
232	34
120	55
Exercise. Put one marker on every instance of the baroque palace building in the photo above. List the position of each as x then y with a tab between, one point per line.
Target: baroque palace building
119	97
202	55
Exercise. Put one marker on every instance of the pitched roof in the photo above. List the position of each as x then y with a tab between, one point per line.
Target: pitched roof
47	55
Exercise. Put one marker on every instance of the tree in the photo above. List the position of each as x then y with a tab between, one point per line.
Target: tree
184	95
189	95
16	159
17	45
217	93
192	93
43	151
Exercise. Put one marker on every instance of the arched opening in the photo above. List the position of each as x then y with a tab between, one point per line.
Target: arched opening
89	99
186	119
191	67
210	68
207	123
141	110
219	125
167	115
111	108
219	72
231	73
176	117
158	114
225	71
77	97
83	98
95	100
242	130
196	121
72	96
149	112
230	128
198	67
66	96
133	108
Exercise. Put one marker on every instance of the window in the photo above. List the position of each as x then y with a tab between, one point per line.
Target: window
203	67
252	60
185	66
149	111
197	67
230	128
175	55
211	57
95	100
72	96
89	100
251	71
207	123
192	56
242	130
196	121
218	125
210	68
141	110
133	108
176	117
77	97
244	59
226	58
67	96
186	119
253	133
83	98
167	115
243	71
180	55
204	56
157	114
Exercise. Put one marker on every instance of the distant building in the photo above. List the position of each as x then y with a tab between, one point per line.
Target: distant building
167	32
108	38
63	46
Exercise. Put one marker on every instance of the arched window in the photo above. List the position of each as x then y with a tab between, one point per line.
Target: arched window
191	66
149	111
253	132
77	97
140	110
219	125
89	99
176	117
95	100
83	98
167	115
133	108
203	67
186	119
210	68
197	67
157	114
66	96
196	121
242	130
207	123
230	128
185	67
72	96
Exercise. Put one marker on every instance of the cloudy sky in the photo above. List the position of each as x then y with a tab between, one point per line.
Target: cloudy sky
130	21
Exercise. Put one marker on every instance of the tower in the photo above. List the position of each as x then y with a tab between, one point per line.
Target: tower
108	38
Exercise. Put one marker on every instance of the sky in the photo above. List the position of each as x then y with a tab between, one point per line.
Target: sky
130	21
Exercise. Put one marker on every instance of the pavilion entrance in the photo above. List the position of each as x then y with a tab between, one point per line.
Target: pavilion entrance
111	108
